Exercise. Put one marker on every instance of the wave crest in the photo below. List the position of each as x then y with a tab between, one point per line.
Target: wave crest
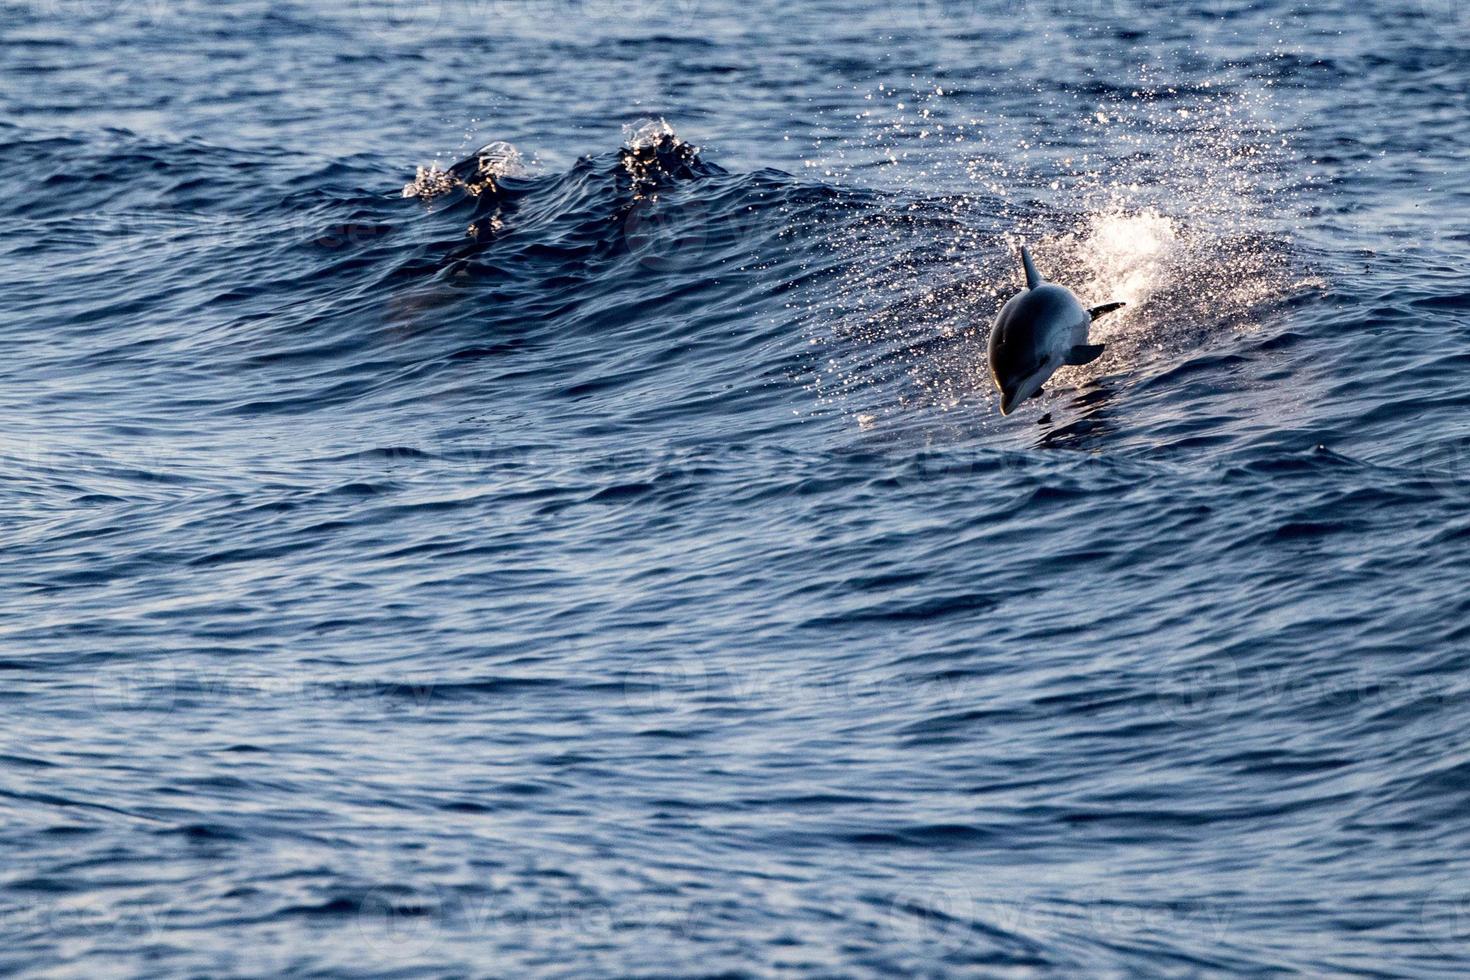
477	174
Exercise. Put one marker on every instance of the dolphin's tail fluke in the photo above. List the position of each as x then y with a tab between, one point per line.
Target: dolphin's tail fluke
1033	278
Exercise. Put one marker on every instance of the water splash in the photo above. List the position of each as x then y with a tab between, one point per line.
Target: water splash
477	174
1128	257
1170	200
648	134
429	182
653	152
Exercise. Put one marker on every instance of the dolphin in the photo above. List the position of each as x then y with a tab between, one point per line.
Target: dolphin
1038	330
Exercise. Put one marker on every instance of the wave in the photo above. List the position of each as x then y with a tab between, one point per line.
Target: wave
646	276
893	292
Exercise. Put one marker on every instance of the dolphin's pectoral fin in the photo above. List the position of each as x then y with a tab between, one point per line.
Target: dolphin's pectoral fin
1038	393
1098	311
1083	354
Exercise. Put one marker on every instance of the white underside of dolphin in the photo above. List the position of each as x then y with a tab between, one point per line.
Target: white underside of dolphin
1037	331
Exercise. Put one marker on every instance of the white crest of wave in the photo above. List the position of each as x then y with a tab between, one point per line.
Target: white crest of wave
500	159
648	133
492	161
430	182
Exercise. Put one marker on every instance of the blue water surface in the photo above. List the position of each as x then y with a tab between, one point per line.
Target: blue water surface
512	487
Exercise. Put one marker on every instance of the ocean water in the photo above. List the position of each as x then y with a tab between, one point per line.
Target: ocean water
499	488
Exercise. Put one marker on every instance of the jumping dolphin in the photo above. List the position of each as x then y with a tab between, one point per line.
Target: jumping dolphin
1037	331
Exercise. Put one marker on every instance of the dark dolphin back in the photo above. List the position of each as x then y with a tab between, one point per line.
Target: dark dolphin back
1013	339
1018	337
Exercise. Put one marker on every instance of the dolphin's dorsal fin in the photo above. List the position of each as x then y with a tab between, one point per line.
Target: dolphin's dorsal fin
1033	278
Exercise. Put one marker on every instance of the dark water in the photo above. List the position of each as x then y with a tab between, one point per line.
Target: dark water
616	564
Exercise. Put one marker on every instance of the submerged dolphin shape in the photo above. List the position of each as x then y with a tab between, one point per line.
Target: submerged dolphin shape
1037	331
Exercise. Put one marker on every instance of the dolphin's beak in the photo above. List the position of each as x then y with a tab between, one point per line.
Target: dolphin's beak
1007	402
